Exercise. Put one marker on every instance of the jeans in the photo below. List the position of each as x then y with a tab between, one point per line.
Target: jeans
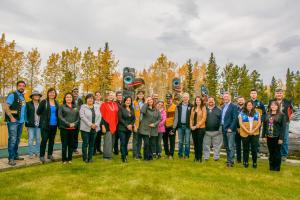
198	135
34	133
169	142
274	154
136	144
156	146
184	141
285	144
67	141
214	138
88	143
238	146
250	141
229	140
47	135
124	139
14	134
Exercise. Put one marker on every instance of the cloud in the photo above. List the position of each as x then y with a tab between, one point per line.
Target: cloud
289	43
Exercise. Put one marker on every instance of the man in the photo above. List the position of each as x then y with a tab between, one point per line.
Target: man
78	102
119	101
260	108
287	109
238	139
229	122
15	117
169	136
182	122
97	105
213	135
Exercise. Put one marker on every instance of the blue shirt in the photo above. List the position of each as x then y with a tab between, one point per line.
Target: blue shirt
53	118
224	112
10	100
184	108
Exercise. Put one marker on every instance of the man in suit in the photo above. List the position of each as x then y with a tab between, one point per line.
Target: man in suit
229	127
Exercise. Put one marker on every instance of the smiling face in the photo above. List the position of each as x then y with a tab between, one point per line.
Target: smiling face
279	95
274	107
249	106
150	101
241	101
211	102
69	99
36	97
185	98
98	96
140	95
119	97
21	87
198	101
253	95
51	94
90	101
128	102
110	96
226	98
75	94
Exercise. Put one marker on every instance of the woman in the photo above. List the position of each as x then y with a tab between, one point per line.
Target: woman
197	124
137	139
68	115
148	126
48	112
249	120
273	133
126	125
161	128
90	118
97	104
33	124
109	121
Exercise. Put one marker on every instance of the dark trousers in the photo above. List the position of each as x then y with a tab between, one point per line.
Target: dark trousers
238	146
169	142
67	140
198	135
124	139
48	135
116	143
275	154
136	145
75	140
156	146
250	142
148	141
97	146
88	143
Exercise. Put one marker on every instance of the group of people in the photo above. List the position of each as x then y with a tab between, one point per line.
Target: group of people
152	122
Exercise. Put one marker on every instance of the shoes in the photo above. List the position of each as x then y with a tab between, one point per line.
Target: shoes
76	151
230	164
283	158
246	165
170	157
12	162
51	158
70	162
19	158
254	165
64	162
42	159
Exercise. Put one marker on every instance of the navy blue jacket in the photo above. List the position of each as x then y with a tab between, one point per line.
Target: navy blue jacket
230	119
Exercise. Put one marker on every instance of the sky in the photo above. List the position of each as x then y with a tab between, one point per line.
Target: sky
263	34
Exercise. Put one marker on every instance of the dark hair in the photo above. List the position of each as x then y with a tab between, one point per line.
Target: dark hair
137	98
211	97
75	89
90	95
239	97
68	93
51	90
125	99
253	90
277	104
245	110
201	104
21	82
119	93
97	92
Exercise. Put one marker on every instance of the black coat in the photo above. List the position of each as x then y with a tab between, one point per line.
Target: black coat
279	125
44	112
67	115
125	118
30	114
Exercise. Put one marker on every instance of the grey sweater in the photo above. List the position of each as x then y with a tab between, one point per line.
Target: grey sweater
86	118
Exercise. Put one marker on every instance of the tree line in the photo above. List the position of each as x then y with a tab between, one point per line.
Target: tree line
97	71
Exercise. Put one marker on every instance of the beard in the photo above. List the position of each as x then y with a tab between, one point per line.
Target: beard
21	91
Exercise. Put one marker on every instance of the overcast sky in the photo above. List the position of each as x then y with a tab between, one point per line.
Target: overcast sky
263	34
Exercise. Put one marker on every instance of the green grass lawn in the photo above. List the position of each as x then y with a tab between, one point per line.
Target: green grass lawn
158	179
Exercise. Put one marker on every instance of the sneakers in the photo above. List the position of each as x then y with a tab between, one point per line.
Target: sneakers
51	158
12	162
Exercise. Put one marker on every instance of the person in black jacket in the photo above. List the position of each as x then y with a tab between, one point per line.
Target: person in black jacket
126	119
32	123
78	103
68	115
273	134
48	112
286	108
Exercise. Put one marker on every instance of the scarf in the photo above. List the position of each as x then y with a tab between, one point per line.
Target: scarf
109	111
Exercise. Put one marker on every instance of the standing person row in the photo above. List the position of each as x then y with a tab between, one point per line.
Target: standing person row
68	115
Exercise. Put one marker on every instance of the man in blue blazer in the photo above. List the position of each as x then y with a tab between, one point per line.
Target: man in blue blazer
229	127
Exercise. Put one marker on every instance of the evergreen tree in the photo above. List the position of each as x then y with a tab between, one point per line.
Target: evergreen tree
273	87
244	85
289	85
212	76
190	80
